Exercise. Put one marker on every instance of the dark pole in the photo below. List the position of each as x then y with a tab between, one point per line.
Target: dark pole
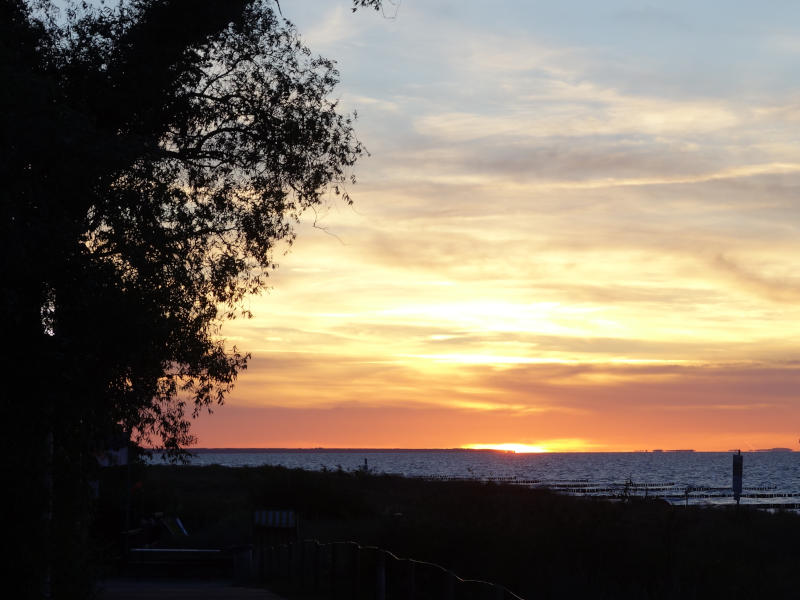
737	476
127	517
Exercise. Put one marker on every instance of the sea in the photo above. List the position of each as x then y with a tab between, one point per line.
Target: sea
771	479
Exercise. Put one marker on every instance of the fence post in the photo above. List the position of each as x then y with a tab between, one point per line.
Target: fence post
333	570
449	585
316	565
302	578
356	572
291	559
380	576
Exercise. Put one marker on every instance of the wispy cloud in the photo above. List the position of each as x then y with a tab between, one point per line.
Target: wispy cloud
569	229
784	289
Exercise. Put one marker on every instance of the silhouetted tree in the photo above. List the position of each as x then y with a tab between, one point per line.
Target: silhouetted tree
153	155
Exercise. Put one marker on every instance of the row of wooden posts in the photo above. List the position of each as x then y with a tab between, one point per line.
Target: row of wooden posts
346	570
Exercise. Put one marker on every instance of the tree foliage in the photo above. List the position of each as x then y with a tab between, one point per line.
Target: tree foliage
153	157
159	151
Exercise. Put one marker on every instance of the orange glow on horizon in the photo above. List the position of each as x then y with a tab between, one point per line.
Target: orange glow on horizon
559	445
515	448
360	425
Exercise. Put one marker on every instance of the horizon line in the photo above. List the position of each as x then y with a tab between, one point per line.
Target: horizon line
460	449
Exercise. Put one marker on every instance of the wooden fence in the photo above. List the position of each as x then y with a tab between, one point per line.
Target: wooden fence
346	570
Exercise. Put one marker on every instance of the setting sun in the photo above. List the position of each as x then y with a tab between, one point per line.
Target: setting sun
550	445
515	448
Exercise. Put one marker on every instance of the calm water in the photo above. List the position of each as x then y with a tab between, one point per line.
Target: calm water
778	471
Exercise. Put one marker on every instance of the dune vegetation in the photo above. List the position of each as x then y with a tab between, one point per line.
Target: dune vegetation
535	542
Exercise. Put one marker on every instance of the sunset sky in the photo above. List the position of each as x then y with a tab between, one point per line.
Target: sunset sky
579	229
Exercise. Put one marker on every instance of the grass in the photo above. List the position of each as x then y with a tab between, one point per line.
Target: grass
537	543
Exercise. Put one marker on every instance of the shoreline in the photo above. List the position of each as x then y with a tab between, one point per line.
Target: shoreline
243	450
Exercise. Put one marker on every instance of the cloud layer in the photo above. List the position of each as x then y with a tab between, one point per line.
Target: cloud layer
578	229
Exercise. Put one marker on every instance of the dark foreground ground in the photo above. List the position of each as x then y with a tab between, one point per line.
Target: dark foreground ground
161	589
538	544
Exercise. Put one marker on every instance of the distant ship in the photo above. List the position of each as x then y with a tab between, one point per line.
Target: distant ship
774	450
681	450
